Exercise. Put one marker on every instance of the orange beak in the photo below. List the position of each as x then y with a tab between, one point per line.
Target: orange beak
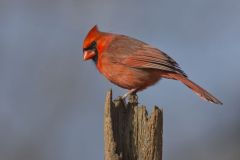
88	54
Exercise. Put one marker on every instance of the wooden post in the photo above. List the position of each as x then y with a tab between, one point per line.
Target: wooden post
129	134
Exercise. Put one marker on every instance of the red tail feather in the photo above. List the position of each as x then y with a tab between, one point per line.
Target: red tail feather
202	93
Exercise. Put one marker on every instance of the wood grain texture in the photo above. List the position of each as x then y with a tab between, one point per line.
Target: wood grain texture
129	133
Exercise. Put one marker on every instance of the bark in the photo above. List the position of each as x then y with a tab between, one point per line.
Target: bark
129	133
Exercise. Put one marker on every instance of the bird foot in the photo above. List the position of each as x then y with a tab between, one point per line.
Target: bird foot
132	91
132	96
133	99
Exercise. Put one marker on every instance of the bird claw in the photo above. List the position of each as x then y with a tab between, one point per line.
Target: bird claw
133	99
132	96
130	92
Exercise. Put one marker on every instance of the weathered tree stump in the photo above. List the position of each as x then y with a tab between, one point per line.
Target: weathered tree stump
129	134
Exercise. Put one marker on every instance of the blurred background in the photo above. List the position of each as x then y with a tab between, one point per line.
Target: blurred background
52	103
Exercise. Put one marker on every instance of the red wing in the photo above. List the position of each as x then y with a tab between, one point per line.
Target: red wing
134	53
153	59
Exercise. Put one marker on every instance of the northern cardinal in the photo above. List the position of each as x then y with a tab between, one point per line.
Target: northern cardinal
133	64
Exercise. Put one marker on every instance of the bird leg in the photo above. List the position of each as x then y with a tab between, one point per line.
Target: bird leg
132	91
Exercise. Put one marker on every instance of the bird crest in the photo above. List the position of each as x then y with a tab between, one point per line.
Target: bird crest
91	36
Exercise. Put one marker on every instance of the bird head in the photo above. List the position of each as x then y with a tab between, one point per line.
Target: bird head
90	44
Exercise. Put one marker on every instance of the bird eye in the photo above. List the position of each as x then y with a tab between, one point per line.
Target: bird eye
92	46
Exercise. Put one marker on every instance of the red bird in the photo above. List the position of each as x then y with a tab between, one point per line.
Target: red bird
133	64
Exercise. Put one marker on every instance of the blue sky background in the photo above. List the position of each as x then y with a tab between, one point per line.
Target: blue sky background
51	102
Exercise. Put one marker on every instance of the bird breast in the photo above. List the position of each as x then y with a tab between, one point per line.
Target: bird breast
128	77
